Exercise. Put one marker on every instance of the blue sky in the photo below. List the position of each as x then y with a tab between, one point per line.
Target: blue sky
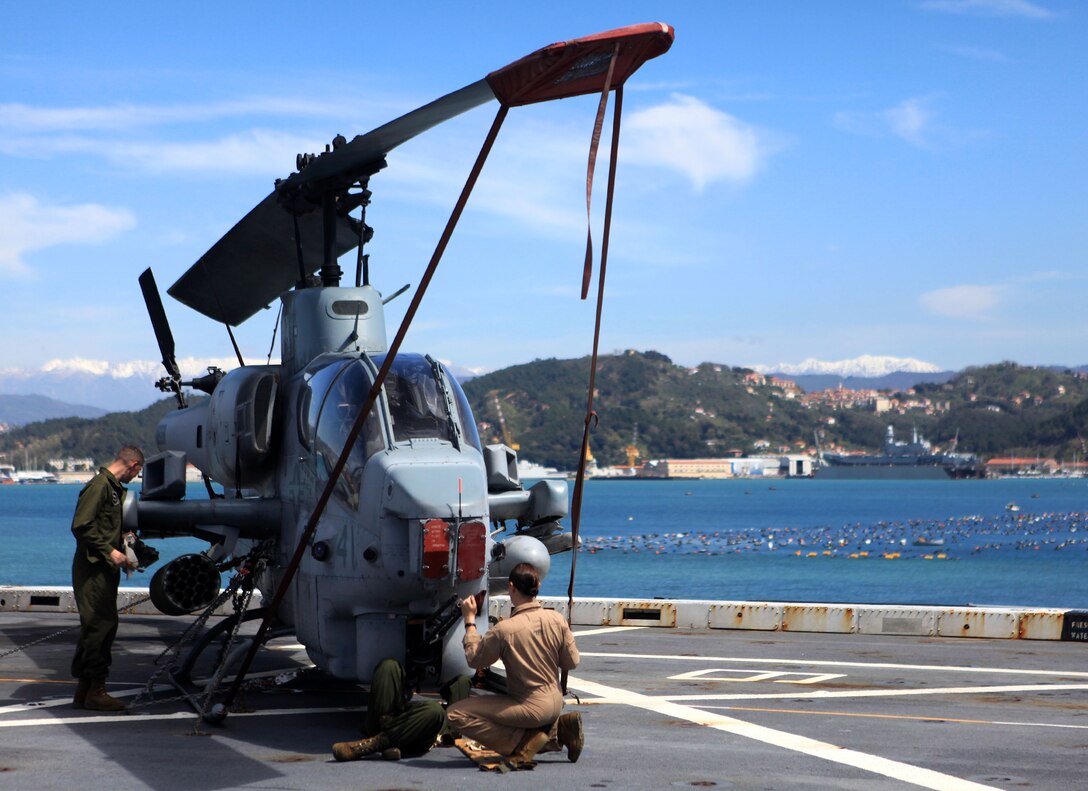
796	180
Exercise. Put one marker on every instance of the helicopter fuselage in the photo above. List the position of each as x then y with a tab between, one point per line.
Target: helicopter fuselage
408	525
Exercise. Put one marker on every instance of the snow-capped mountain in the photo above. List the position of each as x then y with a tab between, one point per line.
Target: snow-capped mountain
118	387
867	366
115	387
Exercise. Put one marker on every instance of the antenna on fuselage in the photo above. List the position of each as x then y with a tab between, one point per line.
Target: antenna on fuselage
362	262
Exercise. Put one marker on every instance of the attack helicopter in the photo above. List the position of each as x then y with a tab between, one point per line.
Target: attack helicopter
355	486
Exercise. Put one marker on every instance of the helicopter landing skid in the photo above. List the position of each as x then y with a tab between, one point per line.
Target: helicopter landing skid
224	638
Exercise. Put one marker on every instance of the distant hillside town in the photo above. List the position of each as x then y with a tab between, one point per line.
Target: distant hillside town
657	419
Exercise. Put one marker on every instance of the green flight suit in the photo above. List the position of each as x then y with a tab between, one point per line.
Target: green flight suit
411	726
97	528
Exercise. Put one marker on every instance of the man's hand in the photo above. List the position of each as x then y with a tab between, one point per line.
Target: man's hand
118	558
468	608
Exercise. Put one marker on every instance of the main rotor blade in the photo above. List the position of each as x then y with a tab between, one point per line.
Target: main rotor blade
370	148
579	66
159	323
256	260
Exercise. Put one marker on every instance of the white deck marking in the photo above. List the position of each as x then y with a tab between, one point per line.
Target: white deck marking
608	630
833	663
136	719
915	775
873	715
876	693
64	701
755	675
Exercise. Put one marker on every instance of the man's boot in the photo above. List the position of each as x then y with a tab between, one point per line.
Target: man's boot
99	700
82	688
570	735
353	751
527	748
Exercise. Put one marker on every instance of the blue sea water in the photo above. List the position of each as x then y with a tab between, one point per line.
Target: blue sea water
753	539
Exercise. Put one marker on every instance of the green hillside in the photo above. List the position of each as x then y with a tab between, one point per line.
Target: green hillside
711	411
666	410
95	438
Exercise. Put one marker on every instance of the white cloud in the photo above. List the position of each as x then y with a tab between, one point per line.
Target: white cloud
536	175
963	302
1021	8
27	225
29	119
256	151
909	120
913	120
168	138
704	144
683	134
979	53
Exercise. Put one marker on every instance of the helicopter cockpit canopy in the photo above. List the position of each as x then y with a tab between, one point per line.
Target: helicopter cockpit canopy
417	407
335	392
418	392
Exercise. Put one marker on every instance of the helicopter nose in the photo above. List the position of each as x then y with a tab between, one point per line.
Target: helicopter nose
444	506
454	546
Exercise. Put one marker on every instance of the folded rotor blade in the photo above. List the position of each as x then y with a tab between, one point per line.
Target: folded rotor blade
579	66
159	323
256	260
375	144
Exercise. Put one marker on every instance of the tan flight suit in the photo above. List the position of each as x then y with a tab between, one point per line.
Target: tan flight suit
533	644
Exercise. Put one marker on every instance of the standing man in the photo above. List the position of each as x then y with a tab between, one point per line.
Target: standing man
96	572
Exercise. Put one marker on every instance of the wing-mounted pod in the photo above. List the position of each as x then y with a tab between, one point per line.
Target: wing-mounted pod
537	511
230	436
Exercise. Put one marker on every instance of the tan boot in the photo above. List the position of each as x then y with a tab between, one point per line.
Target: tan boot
353	751
527	748
99	700
571	736
82	688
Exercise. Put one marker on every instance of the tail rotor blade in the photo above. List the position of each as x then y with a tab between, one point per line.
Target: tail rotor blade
159	323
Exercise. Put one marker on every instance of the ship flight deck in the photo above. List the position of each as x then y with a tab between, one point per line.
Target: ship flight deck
665	705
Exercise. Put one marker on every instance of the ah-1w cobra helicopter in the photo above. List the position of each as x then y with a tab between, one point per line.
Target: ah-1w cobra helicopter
363	461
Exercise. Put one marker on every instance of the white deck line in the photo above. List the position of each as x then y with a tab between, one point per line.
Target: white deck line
907	773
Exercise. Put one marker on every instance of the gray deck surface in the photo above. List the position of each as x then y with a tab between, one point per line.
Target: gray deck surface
663	708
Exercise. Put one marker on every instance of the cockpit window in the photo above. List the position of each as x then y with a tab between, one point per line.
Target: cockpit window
332	415
317	387
417	404
468	423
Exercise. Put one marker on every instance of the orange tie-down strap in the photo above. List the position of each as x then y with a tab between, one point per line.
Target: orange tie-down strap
487	759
